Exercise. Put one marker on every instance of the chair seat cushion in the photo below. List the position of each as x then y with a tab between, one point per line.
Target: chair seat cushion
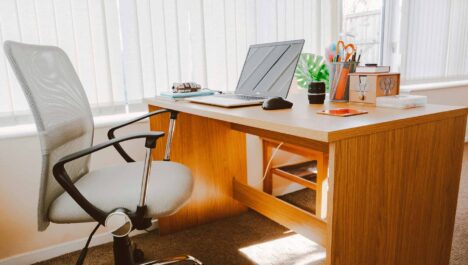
169	188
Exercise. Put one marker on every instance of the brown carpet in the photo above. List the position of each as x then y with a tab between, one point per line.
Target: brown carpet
459	255
252	239
245	239
304	199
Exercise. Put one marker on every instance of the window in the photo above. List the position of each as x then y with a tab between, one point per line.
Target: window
125	50
362	21
425	40
88	31
434	37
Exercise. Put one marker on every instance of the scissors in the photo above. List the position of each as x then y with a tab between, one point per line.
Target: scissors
348	50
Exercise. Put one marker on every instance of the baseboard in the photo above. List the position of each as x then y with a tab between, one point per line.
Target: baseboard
60	249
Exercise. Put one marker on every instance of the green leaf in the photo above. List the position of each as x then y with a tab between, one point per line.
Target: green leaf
310	68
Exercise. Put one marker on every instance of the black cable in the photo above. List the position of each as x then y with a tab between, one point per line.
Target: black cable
84	251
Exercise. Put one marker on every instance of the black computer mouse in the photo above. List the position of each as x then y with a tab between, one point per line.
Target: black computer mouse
276	103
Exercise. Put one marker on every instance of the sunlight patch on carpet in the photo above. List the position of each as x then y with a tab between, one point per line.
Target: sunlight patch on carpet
294	249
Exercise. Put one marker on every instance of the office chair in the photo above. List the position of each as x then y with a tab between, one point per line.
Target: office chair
116	196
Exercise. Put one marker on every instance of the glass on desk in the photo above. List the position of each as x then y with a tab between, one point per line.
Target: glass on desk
339	80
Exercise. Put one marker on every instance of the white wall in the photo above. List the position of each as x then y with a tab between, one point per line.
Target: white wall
20	165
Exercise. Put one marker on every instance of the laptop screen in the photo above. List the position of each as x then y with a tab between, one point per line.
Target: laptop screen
269	69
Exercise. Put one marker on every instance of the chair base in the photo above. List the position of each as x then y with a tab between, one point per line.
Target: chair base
174	260
125	253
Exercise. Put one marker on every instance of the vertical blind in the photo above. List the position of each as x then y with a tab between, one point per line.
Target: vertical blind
88	31
125	50
434	40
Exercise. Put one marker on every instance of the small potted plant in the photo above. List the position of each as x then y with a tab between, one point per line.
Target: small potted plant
312	74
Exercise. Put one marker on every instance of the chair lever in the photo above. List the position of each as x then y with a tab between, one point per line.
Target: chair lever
146	174
170	134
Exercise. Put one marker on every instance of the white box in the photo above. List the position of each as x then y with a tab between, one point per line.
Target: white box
401	101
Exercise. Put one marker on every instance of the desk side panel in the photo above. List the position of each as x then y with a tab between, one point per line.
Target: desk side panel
216	155
394	194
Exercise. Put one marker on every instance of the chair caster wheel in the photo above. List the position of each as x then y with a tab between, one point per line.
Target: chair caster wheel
138	255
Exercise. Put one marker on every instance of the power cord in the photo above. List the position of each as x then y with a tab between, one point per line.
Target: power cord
84	251
269	163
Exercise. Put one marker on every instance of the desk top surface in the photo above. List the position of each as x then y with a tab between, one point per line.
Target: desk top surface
303	121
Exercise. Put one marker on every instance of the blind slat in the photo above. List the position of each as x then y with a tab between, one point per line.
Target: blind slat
11	30
231	44
241	33
251	21
100	50
298	18
146	47
65	29
184	14
290	20
458	40
131	50
46	22
266	21
114	47
84	49
215	44
28	20
197	41
281	19
159	44
172	41
6	104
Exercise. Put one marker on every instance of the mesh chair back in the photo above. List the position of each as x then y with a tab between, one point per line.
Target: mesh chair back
61	112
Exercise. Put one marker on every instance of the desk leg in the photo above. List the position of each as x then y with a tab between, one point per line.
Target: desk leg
268	181
321	197
216	155
393	195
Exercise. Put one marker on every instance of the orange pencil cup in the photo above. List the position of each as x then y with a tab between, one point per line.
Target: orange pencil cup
339	80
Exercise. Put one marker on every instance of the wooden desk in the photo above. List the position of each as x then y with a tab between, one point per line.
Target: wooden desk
393	175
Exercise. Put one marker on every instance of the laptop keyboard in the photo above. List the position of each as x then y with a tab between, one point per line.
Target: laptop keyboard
241	97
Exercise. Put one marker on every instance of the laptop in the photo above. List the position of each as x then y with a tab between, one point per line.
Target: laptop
267	72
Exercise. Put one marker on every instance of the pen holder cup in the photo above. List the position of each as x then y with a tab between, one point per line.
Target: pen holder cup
339	80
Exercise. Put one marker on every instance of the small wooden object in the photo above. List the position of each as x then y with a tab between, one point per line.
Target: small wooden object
304	173
365	87
317	184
